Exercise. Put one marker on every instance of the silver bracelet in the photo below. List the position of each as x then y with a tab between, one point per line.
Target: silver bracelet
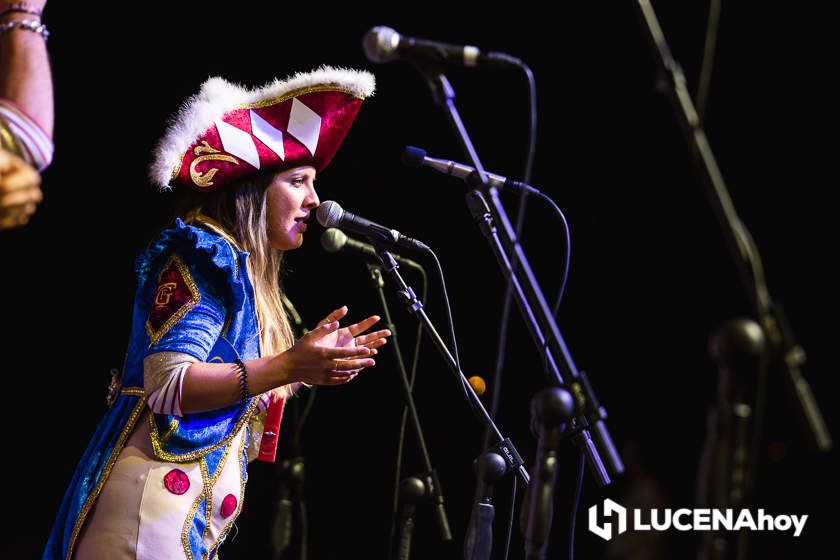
27	24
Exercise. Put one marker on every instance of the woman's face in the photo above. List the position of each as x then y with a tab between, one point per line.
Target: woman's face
290	200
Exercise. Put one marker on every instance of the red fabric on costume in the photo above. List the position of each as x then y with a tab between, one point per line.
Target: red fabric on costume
271	431
172	294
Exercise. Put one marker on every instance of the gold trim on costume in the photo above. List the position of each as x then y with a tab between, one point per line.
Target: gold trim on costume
156	335
106	472
212	484
163	455
223	533
173	425
185	532
208	494
133	391
209	483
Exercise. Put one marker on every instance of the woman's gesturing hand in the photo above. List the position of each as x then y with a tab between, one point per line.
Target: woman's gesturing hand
329	355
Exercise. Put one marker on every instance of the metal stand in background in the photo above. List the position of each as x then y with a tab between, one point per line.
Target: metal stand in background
551	410
765	343
289	527
490	467
783	351
426	487
289	518
727	473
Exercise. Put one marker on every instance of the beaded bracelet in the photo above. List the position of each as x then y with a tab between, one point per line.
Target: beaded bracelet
243	379
26	24
21	8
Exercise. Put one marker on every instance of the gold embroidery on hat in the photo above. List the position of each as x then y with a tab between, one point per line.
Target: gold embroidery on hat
205	179
299	92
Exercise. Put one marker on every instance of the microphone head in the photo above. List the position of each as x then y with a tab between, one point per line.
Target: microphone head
333	240
329	213
413	156
380	44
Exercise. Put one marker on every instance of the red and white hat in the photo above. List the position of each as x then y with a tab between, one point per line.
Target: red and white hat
226	132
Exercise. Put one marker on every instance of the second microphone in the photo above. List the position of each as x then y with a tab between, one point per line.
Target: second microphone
334	240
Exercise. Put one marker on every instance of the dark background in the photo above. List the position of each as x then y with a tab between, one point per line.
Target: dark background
650	278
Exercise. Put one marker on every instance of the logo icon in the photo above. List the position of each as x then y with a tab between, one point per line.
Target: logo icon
611	509
684	519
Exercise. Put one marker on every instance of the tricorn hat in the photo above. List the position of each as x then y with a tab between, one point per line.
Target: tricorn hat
226	132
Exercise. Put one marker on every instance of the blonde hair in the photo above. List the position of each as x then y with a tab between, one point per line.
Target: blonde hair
238	213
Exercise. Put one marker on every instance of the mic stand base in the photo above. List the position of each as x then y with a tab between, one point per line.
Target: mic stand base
490	468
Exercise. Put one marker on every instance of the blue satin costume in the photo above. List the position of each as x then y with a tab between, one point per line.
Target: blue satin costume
216	324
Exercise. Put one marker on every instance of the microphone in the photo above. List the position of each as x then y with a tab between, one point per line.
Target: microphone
331	214
334	240
416	157
383	44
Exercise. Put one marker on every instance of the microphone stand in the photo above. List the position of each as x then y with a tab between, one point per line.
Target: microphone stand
431	485
406	294
504	446
288	510
782	350
412	491
289	517
478	544
532	304
551	409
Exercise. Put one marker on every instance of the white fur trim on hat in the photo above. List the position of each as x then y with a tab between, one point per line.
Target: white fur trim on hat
217	97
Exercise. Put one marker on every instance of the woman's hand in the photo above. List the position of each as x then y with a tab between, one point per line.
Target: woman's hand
20	190
348	336
329	355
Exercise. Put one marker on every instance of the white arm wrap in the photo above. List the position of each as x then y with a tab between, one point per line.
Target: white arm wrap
163	376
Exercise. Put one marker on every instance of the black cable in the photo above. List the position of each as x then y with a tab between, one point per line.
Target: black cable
575	505
307	408
532	128
451	327
505	318
301	330
520	223
509	529
567	265
412	377
566	268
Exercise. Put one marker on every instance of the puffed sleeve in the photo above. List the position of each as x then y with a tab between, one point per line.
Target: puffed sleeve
187	309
